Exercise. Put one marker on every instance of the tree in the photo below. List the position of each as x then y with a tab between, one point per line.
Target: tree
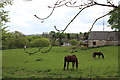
3	19
68	36
40	42
4	14
114	19
17	40
32	37
81	7
60	37
52	35
4	37
73	42
86	35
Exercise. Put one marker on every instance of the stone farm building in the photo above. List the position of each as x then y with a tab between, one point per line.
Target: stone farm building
103	38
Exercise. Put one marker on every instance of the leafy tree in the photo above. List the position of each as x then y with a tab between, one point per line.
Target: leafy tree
3	19
73	42
4	37
4	14
68	36
17	40
86	35
114	19
77	37
60	37
80	33
55	43
41	42
33	37
52	35
74	35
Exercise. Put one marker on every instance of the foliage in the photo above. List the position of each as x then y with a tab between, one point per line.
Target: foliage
32	37
40	42
17	64
68	36
17	40
114	20
73	42
53	34
4	19
4	37
4	14
86	35
55	43
60	36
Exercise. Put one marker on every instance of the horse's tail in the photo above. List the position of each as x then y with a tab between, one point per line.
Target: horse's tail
94	55
76	63
64	63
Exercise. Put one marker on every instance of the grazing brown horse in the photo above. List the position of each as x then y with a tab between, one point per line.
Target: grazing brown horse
99	54
70	58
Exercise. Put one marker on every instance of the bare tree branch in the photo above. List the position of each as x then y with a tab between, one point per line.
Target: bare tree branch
49	14
96	21
76	16
30	53
111	5
48	49
57	29
72	5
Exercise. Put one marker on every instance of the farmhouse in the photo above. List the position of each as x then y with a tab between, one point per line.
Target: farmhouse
103	38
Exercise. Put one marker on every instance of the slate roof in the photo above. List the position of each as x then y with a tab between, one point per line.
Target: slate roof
104	35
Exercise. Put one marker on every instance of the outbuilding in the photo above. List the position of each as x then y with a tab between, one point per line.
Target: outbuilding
103	38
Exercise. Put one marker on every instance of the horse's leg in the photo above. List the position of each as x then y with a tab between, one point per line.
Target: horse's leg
73	63
76	64
67	65
99	56
102	56
95	56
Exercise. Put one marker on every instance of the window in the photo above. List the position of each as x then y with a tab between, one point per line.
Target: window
94	43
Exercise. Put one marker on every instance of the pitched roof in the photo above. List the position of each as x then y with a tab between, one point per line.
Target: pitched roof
104	35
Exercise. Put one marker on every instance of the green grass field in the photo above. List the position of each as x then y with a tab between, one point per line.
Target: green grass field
18	64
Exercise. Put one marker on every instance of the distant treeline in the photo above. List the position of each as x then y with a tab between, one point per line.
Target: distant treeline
13	40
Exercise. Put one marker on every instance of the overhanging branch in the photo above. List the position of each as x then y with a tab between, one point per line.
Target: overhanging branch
96	21
111	5
81	7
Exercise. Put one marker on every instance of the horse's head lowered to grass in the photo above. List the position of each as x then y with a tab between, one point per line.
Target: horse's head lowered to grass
70	58
99	54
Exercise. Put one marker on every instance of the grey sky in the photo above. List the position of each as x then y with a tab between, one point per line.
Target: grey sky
23	20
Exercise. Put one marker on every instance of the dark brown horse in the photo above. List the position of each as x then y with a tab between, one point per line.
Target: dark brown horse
99	54
70	58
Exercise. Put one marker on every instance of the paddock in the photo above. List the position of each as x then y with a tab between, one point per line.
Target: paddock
17	64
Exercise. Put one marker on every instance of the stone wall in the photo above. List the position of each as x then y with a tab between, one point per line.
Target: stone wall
97	43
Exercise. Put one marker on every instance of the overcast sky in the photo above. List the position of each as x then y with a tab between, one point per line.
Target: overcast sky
22	17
